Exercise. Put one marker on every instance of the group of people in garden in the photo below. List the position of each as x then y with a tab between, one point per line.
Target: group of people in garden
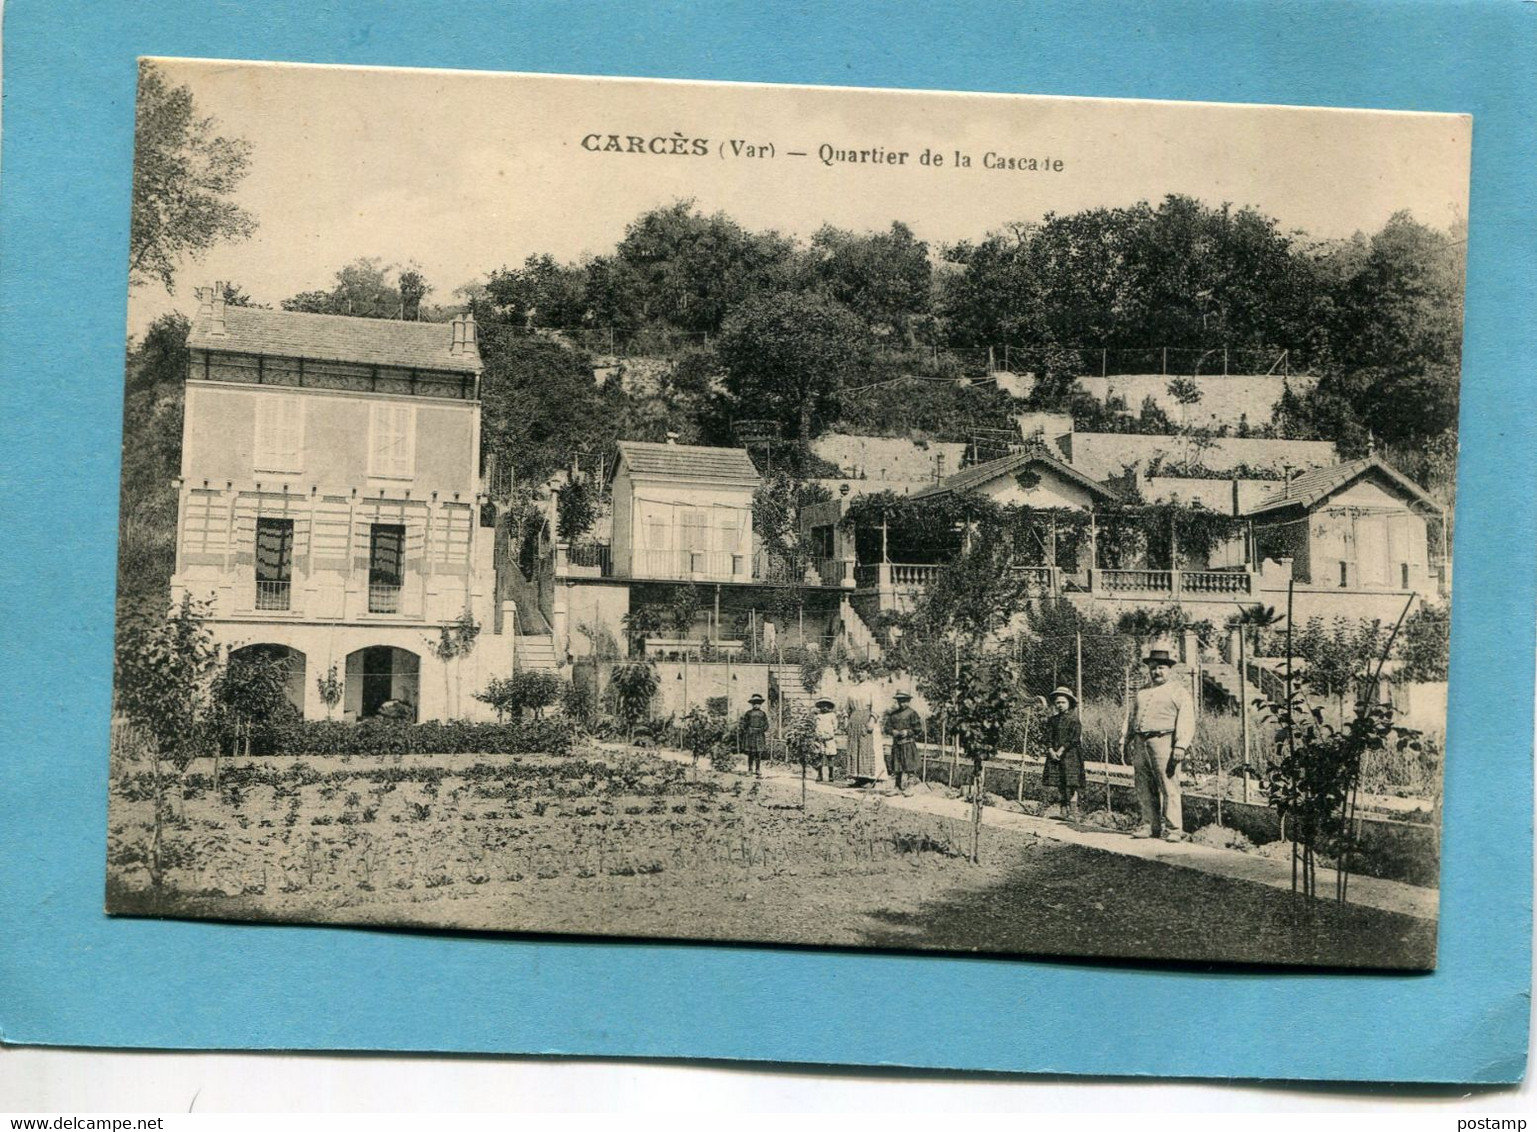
1156	738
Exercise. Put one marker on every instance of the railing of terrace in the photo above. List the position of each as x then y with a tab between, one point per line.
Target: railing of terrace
911	574
1215	581
1136	581
1038	579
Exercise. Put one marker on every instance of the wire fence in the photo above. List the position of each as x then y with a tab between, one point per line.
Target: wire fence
973	361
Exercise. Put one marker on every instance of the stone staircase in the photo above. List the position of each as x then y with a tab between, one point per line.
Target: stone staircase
787	677
1224	677
862	641
535	652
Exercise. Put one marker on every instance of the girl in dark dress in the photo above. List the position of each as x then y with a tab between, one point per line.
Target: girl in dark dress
1064	752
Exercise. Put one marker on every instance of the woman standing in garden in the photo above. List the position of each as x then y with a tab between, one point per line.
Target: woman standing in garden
1064	752
864	751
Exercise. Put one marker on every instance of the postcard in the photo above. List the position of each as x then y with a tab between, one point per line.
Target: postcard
787	515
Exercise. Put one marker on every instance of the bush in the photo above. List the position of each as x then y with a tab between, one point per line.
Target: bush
384	737
526	688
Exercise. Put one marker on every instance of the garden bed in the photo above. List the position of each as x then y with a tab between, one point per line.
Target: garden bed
605	843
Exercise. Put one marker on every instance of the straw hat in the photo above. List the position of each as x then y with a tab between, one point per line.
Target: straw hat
1067	693
901	697
825	702
1159	656
755	699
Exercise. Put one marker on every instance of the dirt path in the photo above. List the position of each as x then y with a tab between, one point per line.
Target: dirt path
1370	892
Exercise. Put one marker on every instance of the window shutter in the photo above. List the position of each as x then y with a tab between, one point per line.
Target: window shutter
279	433
392	448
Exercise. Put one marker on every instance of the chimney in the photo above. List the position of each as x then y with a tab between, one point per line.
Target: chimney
939	467
1286	481
464	334
216	310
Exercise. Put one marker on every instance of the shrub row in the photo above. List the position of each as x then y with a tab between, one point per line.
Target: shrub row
386	737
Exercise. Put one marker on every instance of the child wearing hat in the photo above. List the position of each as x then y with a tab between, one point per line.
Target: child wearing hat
827	738
1064	752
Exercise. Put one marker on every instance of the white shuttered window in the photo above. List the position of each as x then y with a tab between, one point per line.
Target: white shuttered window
279	433
392	441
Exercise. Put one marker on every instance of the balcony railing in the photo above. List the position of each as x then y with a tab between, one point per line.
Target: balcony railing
688	564
273	595
913	575
1136	581
1215	581
383	598
1037	579
596	559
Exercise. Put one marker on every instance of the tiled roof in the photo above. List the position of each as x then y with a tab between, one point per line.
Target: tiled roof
979	474
688	462
1317	484
333	338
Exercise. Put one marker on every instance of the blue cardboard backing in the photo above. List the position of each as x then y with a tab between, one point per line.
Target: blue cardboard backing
72	976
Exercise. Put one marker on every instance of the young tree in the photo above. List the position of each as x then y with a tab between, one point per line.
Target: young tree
161	673
184	173
455	641
788	355
575	509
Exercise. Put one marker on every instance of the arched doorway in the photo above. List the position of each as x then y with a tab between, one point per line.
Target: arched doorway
379	674
290	659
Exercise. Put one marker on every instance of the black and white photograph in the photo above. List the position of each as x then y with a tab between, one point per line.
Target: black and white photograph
810	516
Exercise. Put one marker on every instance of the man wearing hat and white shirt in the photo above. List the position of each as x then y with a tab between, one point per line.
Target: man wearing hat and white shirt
754	733
1159	730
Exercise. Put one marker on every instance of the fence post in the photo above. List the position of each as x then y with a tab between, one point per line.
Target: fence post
1103	357
1078	659
1164	365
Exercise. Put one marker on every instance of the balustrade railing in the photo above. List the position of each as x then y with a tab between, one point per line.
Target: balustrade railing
1214	581
909	574
383	598
1036	578
1136	581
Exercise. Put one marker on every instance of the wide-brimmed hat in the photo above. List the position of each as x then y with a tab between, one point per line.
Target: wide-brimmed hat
900	696
1159	656
825	702
1067	692
755	698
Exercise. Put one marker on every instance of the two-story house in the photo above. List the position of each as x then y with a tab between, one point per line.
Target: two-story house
329	500
682	530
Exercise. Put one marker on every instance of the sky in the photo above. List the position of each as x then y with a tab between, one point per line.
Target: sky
467	172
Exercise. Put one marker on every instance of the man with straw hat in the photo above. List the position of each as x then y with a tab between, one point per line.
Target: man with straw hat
754	734
1063	771
1159	729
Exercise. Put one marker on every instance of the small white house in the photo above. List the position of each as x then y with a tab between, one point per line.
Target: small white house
683	513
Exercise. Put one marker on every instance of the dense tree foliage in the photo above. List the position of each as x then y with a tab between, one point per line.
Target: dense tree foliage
787	355
184	173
